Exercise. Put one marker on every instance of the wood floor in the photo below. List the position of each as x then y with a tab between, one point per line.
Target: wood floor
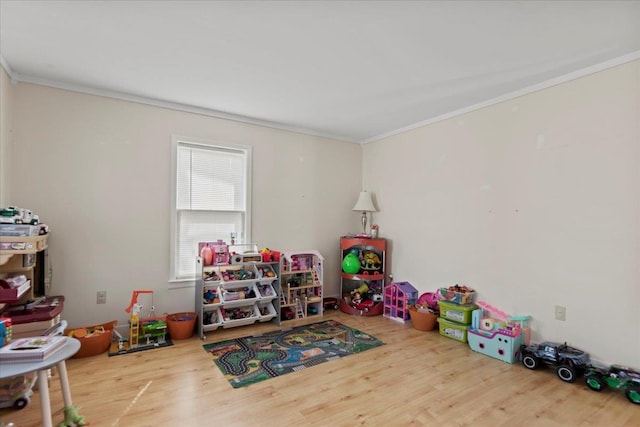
417	378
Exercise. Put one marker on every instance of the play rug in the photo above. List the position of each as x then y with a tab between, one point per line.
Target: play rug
249	360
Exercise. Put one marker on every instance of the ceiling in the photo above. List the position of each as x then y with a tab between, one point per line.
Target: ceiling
351	70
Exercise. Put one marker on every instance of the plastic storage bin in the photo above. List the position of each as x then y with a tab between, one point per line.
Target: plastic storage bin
453	330
19	230
238	295
456	312
267	293
267	312
238	316
458	297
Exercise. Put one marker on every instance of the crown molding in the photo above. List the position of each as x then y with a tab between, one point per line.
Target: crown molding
506	97
16	77
174	106
7	68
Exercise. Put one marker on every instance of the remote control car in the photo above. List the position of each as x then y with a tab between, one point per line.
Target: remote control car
617	377
569	362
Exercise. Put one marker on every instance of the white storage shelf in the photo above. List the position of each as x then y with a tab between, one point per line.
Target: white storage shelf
236	295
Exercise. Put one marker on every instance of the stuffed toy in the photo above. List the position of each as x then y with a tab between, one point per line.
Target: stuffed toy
72	418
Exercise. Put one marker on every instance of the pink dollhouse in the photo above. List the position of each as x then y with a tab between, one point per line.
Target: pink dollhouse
398	297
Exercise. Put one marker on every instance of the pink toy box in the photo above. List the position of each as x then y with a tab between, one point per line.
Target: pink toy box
214	253
496	334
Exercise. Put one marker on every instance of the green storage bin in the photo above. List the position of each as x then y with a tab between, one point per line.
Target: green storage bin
453	330
460	313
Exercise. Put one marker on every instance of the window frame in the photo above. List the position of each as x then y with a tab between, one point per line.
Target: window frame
176	141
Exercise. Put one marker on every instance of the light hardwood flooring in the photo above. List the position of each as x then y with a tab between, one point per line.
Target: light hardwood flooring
418	378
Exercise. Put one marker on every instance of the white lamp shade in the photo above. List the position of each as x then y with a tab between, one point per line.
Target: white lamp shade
364	203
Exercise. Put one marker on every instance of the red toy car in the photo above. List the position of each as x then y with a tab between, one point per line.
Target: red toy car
330	302
287	314
364	305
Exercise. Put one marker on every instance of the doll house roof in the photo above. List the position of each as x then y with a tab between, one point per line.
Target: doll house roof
405	287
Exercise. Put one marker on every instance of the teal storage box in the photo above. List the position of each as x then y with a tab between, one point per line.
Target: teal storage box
453	330
456	312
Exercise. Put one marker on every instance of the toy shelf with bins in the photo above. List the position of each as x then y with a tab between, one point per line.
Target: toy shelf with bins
228	296
18	256
363	271
301	277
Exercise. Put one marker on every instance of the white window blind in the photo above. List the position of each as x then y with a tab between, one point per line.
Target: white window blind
211	199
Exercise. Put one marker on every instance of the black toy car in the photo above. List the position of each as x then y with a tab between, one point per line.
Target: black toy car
618	377
569	362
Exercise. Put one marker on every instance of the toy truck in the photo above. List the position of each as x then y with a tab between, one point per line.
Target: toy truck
617	377
569	361
15	215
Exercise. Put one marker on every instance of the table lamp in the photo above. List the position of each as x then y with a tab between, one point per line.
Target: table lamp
364	205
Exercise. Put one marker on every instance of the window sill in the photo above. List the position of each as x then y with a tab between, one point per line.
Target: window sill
182	283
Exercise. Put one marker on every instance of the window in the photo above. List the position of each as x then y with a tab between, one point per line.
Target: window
211	199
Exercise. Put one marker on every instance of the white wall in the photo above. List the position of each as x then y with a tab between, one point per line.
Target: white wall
6	102
534	202
97	171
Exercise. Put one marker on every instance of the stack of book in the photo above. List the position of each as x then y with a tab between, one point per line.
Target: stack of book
31	349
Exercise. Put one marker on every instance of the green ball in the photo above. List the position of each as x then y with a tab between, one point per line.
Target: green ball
351	264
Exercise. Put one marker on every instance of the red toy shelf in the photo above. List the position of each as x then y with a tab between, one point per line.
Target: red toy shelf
363	272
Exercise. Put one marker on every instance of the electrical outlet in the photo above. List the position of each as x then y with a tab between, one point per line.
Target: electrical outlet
561	313
101	297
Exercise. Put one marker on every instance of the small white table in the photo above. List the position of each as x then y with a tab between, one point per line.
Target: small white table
58	358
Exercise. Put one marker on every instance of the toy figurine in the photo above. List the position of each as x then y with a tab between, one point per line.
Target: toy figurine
370	261
357	298
360	303
362	289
